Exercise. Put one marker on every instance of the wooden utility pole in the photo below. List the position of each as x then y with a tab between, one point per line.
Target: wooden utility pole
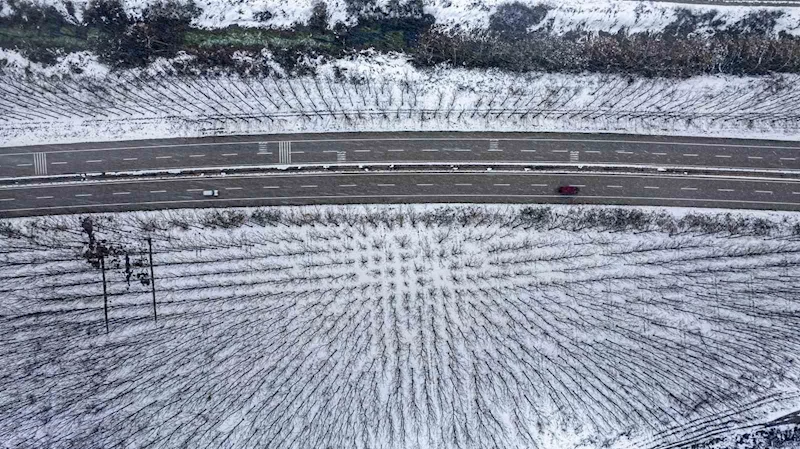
105	292
152	279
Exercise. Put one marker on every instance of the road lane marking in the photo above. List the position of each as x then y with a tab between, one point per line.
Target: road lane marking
121	193
57	163
769	192
659	154
650	187
309	186
6	199
234	188
614	187
130	158
43	197
194	190
163	157
94	161
624	152
462	150
24	165
271	187
424	185
40	163
528	151
538	185
83	194
463	184
723	155
558	151
690	154
754	157
201	155
501	185
285	152
385	185
592	151
725	190
236	154
331	151
365	151
158	191
788	158
396	151
688	188
429	150
347	185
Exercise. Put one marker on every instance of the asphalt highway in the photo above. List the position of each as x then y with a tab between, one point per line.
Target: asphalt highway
402	187
397	147
398	186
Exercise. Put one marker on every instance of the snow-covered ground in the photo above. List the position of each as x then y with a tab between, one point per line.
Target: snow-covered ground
384	93
398	327
472	15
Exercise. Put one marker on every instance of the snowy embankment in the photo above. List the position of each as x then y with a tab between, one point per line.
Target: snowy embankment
385	93
473	15
398	327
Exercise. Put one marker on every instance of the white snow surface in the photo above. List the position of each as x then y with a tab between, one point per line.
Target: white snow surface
352	327
379	92
472	15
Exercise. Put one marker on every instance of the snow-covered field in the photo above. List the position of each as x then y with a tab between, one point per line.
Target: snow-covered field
471	15
398	327
385	93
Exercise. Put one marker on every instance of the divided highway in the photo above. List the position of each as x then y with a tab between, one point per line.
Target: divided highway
399	187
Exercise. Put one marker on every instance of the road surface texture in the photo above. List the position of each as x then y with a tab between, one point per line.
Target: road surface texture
399	187
397	147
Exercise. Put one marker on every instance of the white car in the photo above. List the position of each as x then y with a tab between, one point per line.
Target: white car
210	192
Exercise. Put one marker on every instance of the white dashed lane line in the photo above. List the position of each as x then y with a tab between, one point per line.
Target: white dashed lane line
94	161
163	157
197	155
347	185
130	158
236	154
6	199
788	158
559	151
57	163
194	190
592	151
723	155
624	152
538	185
234	188
121	193
429	150
24	165
424	185
158	191
365	151
463	184
725	190
80	195
385	185
393	151
43	197
690	154
309	186
689	188
501	185
768	192
270	187
614	187
754	157
659	154
528	151
650	187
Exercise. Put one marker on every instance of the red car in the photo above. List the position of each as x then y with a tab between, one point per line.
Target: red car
568	190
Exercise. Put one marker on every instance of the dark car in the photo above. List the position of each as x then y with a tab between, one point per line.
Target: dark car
568	190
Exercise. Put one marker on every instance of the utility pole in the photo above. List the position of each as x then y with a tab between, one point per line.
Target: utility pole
152	279
105	293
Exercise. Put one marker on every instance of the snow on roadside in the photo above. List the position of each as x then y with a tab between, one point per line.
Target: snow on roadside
399	326
376	92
